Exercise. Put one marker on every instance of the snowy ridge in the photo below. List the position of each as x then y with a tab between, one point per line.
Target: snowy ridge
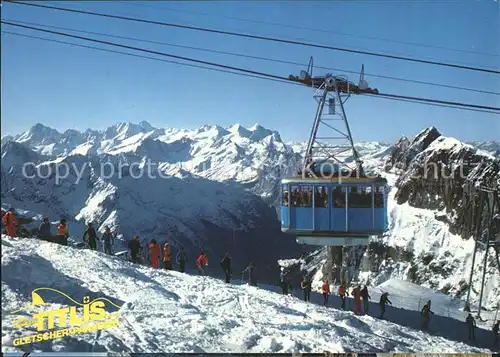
192	313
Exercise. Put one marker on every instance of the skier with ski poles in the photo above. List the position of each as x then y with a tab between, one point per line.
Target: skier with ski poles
250	270
426	313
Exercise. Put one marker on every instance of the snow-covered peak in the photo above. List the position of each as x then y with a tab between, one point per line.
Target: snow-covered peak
241	131
259	132
39	134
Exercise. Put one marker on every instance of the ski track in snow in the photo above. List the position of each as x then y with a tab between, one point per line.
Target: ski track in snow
171	311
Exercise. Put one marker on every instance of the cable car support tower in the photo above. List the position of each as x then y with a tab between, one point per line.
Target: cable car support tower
330	147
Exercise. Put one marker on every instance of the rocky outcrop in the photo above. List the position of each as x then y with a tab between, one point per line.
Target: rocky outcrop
438	178
443	176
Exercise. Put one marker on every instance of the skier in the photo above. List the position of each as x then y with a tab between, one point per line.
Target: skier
225	263
134	246
250	269
467	307
62	232
90	237
201	262
471	326
107	240
495	329
154	254
306	288
283	281
426	313
384	300
167	256
356	293
366	297
325	291
342	294
44	230
181	260
10	222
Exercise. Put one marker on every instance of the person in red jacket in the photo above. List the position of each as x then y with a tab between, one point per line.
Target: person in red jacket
325	291
356	293
201	262
154	254
9	221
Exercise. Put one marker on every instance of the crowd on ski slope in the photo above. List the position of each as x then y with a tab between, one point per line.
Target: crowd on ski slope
156	255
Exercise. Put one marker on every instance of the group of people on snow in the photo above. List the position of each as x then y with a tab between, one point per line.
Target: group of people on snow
157	255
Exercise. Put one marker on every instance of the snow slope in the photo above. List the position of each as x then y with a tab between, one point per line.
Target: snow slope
173	312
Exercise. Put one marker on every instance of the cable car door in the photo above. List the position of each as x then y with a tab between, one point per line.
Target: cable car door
301	211
321	209
339	218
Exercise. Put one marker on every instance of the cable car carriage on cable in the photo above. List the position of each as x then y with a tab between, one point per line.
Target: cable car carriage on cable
330	203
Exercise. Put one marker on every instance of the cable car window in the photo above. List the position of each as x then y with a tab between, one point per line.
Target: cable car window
339	197
359	198
379	196
320	196
301	196
284	196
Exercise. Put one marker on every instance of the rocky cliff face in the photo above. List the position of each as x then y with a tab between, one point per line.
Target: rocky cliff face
442	174
431	200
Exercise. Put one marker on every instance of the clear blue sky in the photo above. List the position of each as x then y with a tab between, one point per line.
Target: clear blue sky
69	87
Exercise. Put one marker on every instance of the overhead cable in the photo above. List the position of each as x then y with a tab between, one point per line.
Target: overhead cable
305	28
255	57
263	74
265	38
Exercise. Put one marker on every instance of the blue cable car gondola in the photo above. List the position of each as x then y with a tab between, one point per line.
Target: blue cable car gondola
341	207
321	211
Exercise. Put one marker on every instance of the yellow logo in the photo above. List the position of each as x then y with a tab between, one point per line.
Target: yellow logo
89	316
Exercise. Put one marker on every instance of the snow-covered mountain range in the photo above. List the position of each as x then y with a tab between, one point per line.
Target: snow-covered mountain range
217	188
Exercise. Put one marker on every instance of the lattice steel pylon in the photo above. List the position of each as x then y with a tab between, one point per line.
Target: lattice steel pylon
487	234
330	144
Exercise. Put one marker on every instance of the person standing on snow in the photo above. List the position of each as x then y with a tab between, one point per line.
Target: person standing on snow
356	293
225	263
283	281
90	237
107	240
366	297
167	256
201	262
154	254
384	300
342	294
471	326
134	246
325	291
306	288
62	232
181	260
44	230
250	270
10	223
426	313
